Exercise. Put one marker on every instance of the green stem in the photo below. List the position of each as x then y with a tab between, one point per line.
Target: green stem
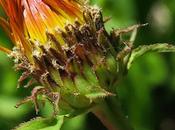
110	114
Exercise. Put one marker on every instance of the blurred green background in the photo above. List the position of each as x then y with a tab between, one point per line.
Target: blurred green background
148	92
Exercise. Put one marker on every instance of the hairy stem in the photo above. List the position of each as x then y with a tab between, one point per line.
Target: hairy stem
110	114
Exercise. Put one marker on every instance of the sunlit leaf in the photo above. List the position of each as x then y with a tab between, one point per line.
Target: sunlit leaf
42	124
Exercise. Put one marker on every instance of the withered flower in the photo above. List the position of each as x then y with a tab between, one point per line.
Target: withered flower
64	47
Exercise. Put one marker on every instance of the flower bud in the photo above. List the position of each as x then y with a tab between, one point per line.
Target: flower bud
64	47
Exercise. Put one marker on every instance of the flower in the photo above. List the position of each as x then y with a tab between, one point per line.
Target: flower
30	19
64	47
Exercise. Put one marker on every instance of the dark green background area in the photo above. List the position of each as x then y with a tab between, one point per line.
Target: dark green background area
148	92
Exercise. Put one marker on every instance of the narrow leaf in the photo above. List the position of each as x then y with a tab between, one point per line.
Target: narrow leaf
141	50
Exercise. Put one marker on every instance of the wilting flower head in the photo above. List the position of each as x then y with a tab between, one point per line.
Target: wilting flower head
64	47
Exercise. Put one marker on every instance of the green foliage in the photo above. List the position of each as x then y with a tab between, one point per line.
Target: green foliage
149	48
42	124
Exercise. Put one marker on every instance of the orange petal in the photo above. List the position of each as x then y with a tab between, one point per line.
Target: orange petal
6	50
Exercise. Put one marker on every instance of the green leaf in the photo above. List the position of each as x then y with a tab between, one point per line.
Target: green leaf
89	90
141	50
42	124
